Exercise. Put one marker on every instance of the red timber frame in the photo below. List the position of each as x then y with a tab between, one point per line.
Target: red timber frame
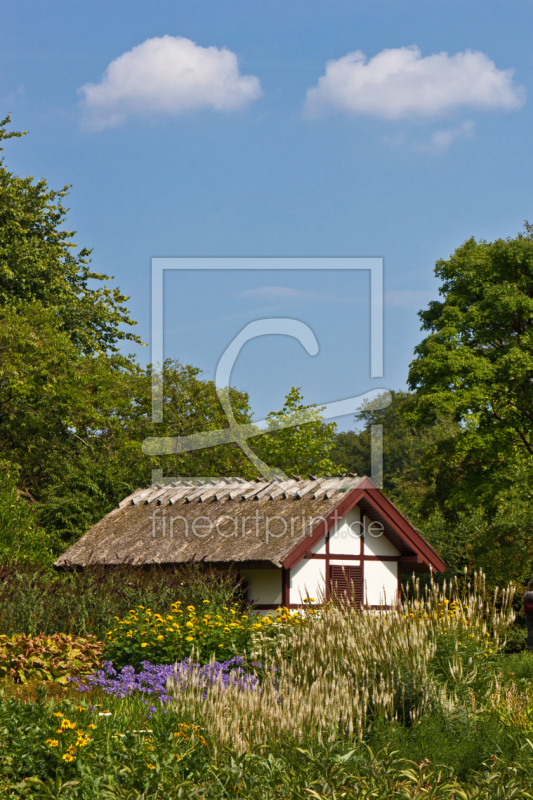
367	491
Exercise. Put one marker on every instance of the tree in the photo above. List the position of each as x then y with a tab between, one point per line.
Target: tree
476	365
303	447
21	539
404	449
38	263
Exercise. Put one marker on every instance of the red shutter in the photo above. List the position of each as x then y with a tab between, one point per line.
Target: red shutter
347	584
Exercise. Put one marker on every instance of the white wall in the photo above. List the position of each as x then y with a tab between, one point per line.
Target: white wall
265	585
376	543
381	582
345	535
307	580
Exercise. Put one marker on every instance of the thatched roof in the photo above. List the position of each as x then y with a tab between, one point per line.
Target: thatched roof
230	520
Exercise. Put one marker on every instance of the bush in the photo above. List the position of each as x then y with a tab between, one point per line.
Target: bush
49	658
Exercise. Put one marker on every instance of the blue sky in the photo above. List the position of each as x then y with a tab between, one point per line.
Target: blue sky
206	145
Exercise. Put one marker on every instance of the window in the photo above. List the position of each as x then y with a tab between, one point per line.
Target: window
347	583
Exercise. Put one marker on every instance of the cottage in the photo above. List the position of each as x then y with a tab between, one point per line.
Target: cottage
290	540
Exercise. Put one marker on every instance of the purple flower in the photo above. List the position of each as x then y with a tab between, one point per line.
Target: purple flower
153	678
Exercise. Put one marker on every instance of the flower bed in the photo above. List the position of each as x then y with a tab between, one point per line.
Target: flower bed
202	632
153	679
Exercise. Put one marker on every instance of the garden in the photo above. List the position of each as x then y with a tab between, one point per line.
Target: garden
133	683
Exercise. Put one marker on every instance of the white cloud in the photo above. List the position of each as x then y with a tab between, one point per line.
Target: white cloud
440	141
167	75
399	83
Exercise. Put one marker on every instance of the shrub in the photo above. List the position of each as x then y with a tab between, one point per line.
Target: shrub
49	658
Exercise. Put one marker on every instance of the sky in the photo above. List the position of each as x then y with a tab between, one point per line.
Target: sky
276	129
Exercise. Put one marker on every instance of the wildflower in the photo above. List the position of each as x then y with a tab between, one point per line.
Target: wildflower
52	742
92	725
144	644
68	757
205	601
58	714
151	766
189	638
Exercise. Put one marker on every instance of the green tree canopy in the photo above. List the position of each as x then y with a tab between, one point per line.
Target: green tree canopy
476	365
303	447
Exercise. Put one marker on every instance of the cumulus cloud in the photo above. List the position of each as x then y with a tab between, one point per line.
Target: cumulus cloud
167	75
399	83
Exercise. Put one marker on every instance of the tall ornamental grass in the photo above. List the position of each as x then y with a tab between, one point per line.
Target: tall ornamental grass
326	679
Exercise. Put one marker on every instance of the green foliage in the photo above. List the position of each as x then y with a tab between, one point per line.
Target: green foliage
476	362
20	538
49	658
54	400
203	632
107	462
303	447
404	447
122	755
35	600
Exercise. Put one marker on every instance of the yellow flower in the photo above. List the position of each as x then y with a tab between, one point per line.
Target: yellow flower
191	608
52	742
205	601
189	639
91	726
144	644
58	714
68	757
160	638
